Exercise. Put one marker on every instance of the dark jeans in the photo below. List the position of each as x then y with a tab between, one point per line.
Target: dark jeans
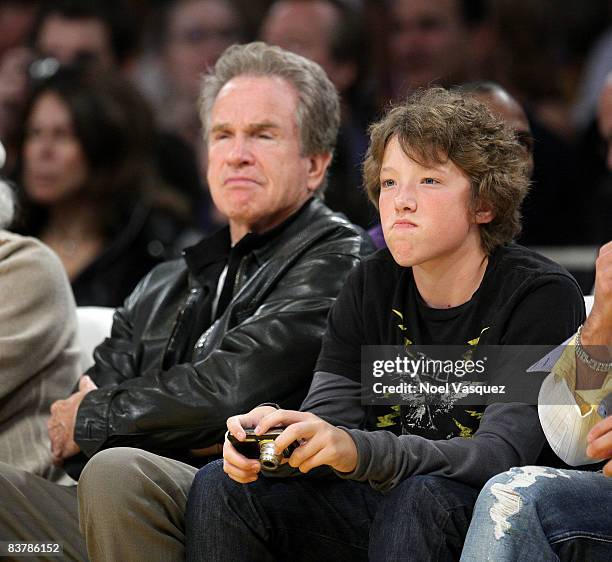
319	519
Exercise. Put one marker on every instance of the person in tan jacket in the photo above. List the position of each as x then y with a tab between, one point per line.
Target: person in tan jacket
38	346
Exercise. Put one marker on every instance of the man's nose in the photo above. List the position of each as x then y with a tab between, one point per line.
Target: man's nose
240	152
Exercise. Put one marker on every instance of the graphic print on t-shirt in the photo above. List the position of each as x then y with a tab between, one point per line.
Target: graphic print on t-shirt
429	416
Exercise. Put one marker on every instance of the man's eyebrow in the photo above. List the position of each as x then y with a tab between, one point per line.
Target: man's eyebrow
263	125
251	127
220	127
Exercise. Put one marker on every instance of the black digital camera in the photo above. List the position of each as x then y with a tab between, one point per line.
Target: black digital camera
262	447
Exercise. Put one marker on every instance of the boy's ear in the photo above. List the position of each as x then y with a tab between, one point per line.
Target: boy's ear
484	213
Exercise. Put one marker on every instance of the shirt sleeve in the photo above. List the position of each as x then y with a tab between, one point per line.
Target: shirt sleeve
566	414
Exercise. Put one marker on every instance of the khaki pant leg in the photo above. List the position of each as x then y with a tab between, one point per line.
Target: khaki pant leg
132	506
34	509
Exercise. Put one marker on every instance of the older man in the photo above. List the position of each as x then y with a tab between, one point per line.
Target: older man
236	321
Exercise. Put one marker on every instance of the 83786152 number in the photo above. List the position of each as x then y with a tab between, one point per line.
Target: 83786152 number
26	548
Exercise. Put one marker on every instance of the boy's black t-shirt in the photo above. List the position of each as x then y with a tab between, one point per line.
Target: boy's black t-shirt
523	298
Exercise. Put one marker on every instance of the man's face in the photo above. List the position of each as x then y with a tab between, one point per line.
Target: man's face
502	105
69	39
428	42
605	120
198	32
257	174
424	210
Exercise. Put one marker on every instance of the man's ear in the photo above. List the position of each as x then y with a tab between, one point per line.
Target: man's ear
484	213
317	167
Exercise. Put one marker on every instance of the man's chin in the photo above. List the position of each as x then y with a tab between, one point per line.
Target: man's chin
240	211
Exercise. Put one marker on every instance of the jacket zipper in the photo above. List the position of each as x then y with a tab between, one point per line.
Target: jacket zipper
192	298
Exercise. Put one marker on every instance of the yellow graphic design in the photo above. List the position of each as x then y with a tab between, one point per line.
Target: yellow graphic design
465	432
401	317
420	415
401	326
387	420
476	340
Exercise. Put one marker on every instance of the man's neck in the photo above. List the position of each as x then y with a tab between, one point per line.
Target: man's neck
238	230
451	280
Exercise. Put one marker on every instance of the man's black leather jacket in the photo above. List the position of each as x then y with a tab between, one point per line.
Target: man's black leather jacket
262	348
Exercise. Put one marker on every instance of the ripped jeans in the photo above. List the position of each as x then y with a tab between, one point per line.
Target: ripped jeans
542	514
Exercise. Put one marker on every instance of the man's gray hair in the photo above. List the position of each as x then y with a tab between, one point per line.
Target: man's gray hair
7	204
318	111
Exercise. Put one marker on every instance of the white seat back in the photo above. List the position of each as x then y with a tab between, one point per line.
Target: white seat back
94	325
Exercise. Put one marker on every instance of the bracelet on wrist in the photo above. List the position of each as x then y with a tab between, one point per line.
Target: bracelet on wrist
590	362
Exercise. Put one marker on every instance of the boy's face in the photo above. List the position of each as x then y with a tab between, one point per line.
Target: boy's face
424	210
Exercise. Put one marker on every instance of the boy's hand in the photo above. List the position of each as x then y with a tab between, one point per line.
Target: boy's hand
321	442
237	466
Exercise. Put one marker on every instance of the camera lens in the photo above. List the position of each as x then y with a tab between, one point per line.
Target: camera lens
267	456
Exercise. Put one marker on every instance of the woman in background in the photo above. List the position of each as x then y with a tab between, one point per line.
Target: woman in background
89	189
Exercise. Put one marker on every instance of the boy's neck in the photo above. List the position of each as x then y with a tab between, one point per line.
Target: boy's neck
451	280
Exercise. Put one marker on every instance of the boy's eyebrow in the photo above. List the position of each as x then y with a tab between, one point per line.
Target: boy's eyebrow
435	168
387	169
432	167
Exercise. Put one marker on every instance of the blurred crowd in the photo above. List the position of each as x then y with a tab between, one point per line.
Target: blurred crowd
99	110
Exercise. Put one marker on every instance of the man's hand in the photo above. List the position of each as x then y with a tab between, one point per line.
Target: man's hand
600	443
597	329
62	421
321	442
237	466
